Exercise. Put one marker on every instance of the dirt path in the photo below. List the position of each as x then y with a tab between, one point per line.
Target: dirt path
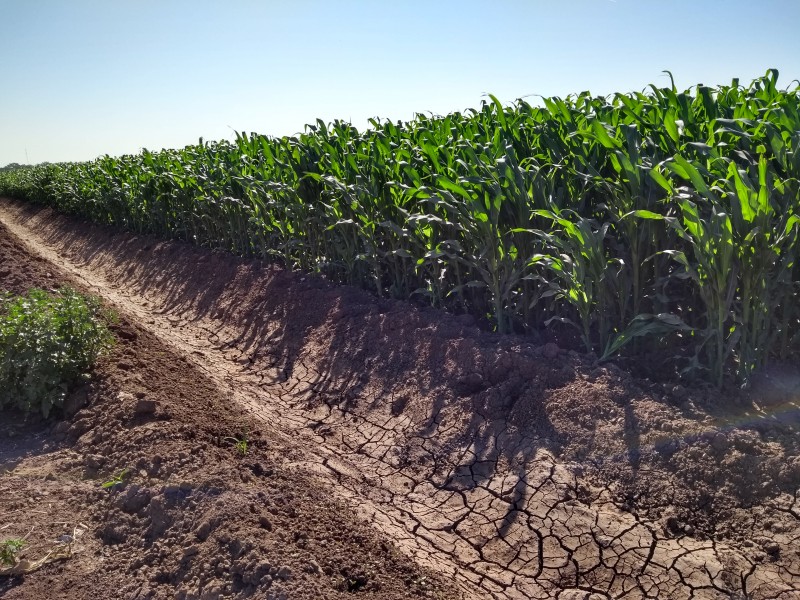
518	472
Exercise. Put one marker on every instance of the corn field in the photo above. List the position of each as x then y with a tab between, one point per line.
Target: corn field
661	220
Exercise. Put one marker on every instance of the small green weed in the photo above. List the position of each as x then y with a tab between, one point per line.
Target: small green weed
9	550
240	443
115	480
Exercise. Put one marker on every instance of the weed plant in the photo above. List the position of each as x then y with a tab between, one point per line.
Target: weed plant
9	550
48	343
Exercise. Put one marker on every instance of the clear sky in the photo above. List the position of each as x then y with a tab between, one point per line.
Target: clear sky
82	78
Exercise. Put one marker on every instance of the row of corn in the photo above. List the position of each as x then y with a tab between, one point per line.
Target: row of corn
662	221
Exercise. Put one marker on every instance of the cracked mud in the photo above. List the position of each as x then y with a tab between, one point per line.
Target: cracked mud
515	470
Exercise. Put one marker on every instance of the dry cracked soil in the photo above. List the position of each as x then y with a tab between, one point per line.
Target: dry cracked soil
393	451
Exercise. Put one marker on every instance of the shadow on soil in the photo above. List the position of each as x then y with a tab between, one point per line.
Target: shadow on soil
359	351
382	347
23	436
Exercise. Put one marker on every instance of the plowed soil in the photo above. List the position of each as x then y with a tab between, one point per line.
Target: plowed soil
393	451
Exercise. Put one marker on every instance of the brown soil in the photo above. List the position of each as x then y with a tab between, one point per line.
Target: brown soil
513	471
196	517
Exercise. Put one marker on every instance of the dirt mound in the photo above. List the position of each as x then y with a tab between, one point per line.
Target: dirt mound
195	516
521	471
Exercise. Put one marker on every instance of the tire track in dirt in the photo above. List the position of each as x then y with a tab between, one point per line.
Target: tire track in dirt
469	494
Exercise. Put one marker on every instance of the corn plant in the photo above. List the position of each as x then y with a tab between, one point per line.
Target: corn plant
630	217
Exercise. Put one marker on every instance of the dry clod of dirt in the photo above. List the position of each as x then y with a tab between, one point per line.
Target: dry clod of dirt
550	351
145	407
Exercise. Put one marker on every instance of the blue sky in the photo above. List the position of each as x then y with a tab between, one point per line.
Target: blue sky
82	78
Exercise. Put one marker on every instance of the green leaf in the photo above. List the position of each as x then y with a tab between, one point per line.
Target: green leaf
688	171
644	325
670	124
451	186
647	214
656	175
601	134
741	202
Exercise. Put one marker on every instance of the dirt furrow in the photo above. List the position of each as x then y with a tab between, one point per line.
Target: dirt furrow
461	448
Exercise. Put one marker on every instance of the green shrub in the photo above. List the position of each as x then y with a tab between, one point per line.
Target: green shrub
48	342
